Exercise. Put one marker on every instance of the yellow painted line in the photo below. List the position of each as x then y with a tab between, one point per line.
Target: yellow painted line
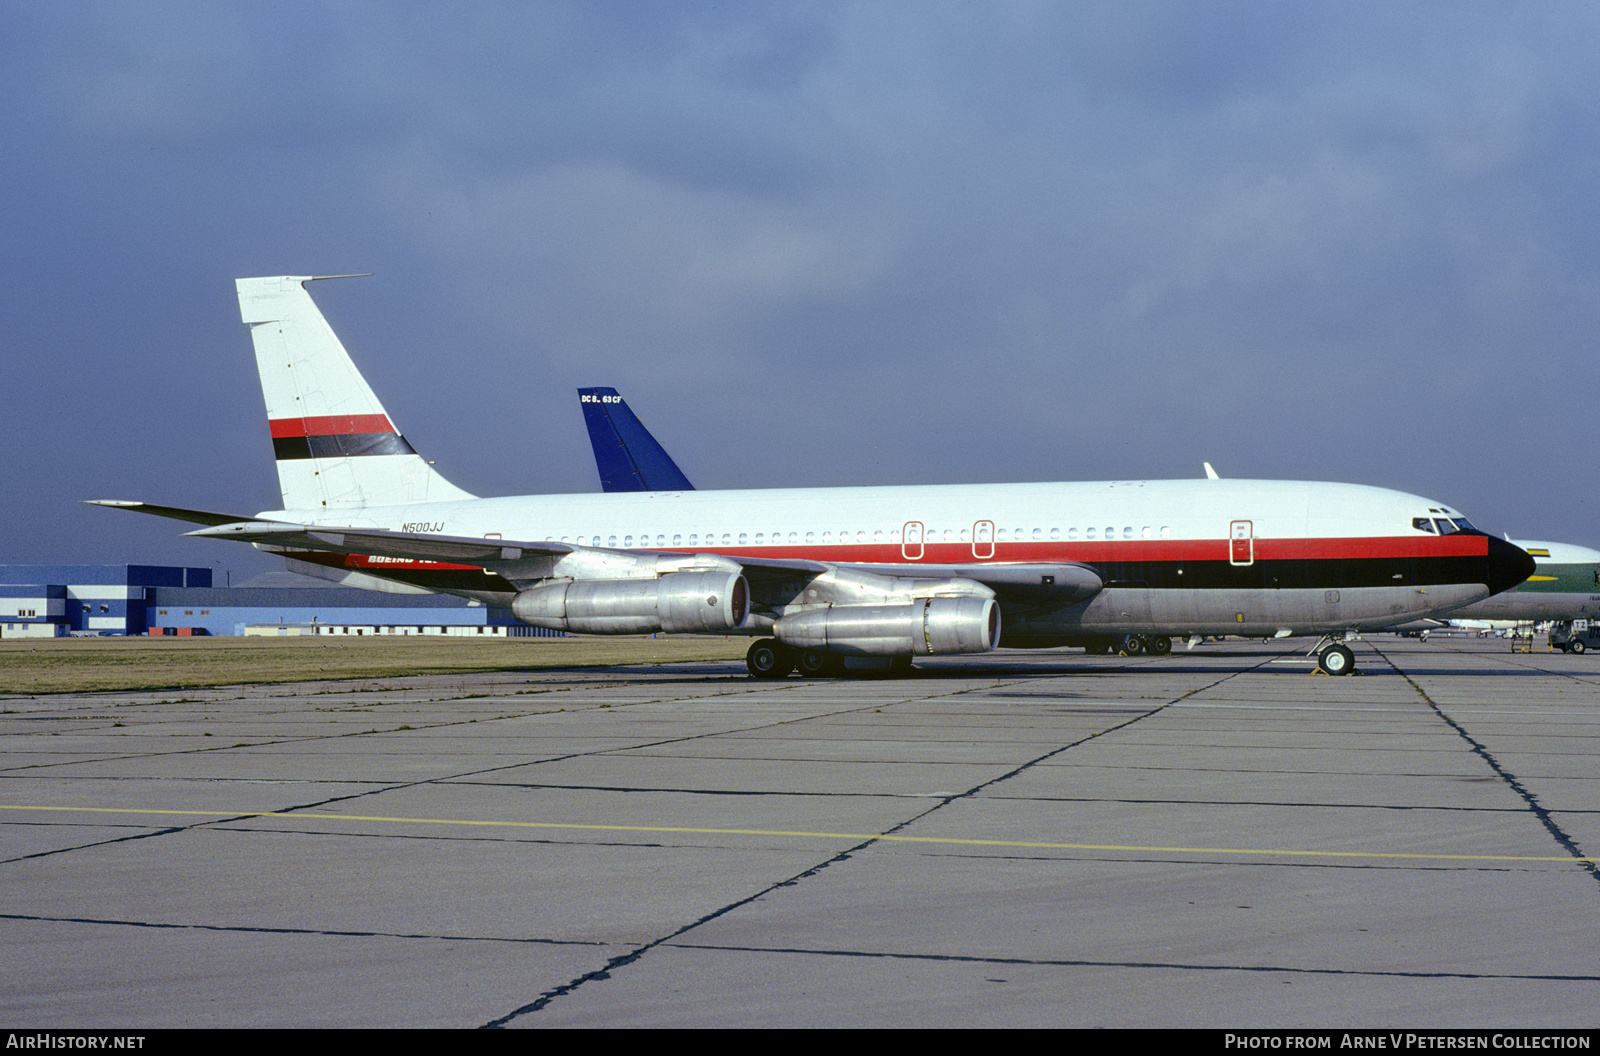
1541	579
802	834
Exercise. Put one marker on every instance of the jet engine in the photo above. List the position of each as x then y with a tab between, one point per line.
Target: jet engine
925	627
679	602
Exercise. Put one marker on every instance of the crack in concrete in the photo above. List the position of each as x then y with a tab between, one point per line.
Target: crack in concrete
623	960
1528	796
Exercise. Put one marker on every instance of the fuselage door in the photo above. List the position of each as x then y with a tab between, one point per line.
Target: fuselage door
1241	543
911	541
983	540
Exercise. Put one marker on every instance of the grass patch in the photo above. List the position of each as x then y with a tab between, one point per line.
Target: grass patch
89	665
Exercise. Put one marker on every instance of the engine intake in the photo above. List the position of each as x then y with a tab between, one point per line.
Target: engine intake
679	602
926	627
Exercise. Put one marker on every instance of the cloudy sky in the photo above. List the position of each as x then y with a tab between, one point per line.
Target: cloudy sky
812	243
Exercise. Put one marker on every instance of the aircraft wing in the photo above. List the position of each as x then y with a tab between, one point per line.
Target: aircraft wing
339	539
1046	583
1036	585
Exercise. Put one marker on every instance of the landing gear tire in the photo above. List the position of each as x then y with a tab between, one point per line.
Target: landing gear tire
818	663
1158	645
1336	660
1097	648
769	658
1132	645
1576	647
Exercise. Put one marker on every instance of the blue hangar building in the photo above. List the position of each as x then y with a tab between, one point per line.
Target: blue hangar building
51	601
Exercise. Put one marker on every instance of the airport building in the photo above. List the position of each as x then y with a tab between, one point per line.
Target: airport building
48	601
55	600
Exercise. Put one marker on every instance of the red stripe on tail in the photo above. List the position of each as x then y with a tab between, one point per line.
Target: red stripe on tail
331	425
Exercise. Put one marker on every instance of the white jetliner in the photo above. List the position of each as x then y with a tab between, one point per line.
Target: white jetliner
828	573
1564	585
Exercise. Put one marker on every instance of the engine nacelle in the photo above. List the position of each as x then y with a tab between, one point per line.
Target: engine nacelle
680	602
925	627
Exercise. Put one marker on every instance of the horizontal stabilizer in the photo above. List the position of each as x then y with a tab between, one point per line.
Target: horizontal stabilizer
177	513
411	546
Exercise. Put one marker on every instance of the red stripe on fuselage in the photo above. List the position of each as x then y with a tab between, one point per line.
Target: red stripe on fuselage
1154	550
330	425
1090	552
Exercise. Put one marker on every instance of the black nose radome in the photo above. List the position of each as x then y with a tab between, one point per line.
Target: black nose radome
1508	565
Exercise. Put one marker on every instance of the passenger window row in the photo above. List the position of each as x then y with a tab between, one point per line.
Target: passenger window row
928	535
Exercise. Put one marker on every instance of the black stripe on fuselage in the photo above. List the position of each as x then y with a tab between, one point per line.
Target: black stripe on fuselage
1336	573
339	445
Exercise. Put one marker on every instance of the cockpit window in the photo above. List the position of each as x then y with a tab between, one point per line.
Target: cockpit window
1422	524
1449	526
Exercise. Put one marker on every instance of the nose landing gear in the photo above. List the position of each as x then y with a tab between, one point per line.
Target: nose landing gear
1335	658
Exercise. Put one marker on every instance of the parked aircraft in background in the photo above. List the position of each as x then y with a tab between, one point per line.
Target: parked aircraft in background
627	456
1564	585
827	573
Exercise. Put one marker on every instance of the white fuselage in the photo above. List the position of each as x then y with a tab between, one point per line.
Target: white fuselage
1200	556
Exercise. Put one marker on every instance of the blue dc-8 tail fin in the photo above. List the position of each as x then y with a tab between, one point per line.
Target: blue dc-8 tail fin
627	456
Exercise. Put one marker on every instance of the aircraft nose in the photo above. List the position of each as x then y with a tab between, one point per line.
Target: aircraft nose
1508	565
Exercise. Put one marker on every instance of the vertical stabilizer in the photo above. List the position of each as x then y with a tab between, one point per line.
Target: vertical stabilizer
627	456
334	442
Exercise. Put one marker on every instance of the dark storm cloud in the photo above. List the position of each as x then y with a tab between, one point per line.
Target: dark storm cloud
813	243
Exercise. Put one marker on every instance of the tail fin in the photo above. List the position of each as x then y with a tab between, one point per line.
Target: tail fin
335	444
627	456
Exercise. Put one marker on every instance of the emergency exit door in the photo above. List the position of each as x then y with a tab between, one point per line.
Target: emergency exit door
1241	543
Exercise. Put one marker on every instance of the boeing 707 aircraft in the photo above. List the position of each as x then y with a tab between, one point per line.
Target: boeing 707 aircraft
820	574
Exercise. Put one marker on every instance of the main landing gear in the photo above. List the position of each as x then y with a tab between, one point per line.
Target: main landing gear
769	658
814	663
